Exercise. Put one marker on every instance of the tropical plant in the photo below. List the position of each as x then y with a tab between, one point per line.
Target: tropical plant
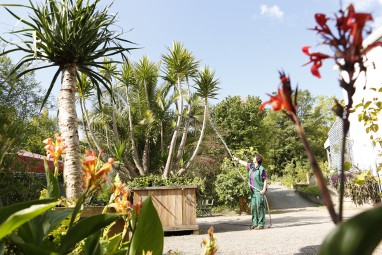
73	36
179	65
207	87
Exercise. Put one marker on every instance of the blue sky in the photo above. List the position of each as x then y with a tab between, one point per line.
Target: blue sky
246	41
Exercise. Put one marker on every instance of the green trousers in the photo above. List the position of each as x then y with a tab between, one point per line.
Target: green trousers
258	209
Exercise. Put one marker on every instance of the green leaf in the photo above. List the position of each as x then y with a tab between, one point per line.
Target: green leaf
148	235
35	230
361	178
53	188
111	245
7	211
367	104
85	228
20	217
360	117
92	245
359	235
347	166
35	249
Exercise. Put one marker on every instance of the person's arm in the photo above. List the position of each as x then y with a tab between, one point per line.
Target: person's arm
262	192
240	161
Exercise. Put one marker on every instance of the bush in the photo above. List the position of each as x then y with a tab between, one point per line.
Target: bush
153	180
359	194
230	186
311	190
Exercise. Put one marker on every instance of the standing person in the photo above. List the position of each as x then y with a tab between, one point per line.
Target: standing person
257	178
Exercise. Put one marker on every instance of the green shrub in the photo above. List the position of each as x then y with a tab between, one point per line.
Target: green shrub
153	180
230	186
313	190
359	194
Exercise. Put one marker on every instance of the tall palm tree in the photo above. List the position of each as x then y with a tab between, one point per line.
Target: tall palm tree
178	64
206	87
73	36
146	76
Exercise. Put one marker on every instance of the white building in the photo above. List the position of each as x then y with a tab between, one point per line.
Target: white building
360	151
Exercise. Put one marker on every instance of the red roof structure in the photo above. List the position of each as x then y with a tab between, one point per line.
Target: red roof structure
35	162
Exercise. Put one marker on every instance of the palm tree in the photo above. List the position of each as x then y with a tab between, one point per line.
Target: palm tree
73	36
207	87
178	64
146	76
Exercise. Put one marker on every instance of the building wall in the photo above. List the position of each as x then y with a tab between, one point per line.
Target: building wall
365	155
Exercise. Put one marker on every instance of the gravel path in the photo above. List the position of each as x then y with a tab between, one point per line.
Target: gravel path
298	227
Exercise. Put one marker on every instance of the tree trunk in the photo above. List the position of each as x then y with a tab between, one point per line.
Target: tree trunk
88	127
132	139
175	134
199	141
68	125
185	129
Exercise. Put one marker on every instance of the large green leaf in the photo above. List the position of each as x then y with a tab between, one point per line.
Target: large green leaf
20	217
148	235
37	229
359	235
85	228
7	211
35	249
92	244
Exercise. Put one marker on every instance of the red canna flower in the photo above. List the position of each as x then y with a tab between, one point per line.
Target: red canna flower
54	149
276	102
346	42
315	58
95	171
283	99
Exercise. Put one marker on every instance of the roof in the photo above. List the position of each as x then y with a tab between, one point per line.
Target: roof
35	162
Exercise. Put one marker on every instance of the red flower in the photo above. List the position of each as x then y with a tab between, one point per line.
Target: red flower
315	58
283	99
276	102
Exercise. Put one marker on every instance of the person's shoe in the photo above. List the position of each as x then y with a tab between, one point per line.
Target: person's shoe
259	227
252	227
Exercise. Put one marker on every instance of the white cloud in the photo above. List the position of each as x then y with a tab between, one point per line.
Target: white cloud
363	5
272	11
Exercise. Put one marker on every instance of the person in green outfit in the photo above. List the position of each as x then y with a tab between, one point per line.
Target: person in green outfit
257	178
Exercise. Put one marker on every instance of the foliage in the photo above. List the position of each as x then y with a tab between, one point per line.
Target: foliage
313	190
360	192
284	145
153	180
369	116
240	120
229	184
296	171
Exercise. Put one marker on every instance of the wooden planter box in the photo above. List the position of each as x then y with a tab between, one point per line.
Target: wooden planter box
176	206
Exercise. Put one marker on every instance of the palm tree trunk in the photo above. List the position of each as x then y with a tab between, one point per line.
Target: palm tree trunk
114	119
146	155
175	134
88	128
186	125
85	125
132	139
68	125
199	141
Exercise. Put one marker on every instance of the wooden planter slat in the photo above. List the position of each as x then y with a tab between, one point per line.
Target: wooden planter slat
176	206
